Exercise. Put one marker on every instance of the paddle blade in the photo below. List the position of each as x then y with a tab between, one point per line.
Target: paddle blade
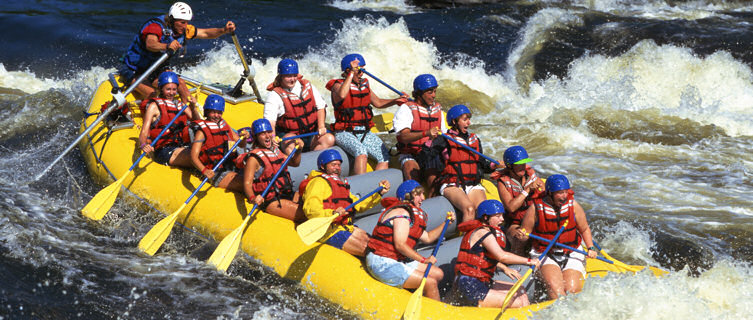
515	288
619	263
314	229
413	309
225	252
153	240
98	206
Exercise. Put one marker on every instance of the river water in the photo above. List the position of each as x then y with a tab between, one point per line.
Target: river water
647	106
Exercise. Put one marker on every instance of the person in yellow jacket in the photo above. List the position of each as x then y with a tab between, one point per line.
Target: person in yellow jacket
330	195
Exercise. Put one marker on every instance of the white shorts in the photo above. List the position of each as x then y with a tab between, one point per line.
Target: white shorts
467	189
572	261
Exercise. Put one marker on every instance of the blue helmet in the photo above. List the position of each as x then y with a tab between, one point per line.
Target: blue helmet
489	208
557	182
456	111
424	82
345	63
167	77
516	155
406	187
261	125
328	156
287	66
214	102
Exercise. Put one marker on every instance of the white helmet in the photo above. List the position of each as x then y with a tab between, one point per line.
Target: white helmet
180	11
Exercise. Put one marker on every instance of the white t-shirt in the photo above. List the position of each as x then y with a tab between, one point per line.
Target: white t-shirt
274	108
404	118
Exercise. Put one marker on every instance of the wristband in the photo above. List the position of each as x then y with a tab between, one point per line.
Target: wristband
143	144
529	261
204	170
423	259
423	134
593	248
524	193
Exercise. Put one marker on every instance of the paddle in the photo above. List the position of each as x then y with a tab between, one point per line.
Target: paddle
562	245
228	247
616	262
382	82
517	285
302	135
98	206
313	229
413	308
470	149
120	98
153	240
247	74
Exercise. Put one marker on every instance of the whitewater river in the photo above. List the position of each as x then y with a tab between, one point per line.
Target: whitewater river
647	106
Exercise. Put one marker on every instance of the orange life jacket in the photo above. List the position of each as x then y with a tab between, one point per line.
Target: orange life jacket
472	259
355	109
550	221
423	119
271	162
300	110
381	241
340	197
215	144
177	134
462	166
515	188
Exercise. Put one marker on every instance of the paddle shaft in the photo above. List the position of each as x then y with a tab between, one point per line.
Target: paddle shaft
382	82
301	135
470	149
119	99
379	188
562	245
436	248
227	154
246	71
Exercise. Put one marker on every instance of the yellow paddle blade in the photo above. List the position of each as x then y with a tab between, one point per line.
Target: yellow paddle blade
413	309
515	288
314	229
153	240
98	206
225	252
619	263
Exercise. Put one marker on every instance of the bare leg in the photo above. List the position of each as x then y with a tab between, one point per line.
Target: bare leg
356	243
382	166
573	283
431	176
555	284
459	199
477	196
359	165
232	182
181	157
286	209
411	170
322	142
431	288
496	296
517	246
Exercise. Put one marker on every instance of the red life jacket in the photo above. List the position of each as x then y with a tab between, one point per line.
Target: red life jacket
472	259
355	109
178	132
423	119
271	162
550	221
340	193
515	188
215	146
462	166
300	110
381	241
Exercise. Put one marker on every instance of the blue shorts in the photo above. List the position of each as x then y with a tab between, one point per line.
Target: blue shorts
306	140
162	155
388	270
472	290
338	239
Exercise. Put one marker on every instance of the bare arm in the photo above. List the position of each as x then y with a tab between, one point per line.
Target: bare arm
151	112
401	227
212	33
380	103
341	90
527	224
495	251
320	116
582	224
154	45
252	165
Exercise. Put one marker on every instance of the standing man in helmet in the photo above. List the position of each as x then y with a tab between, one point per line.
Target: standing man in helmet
392	257
460	180
562	270
171	148
417	124
482	251
352	99
211	139
518	185
259	167
325	193
294	106
157	35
